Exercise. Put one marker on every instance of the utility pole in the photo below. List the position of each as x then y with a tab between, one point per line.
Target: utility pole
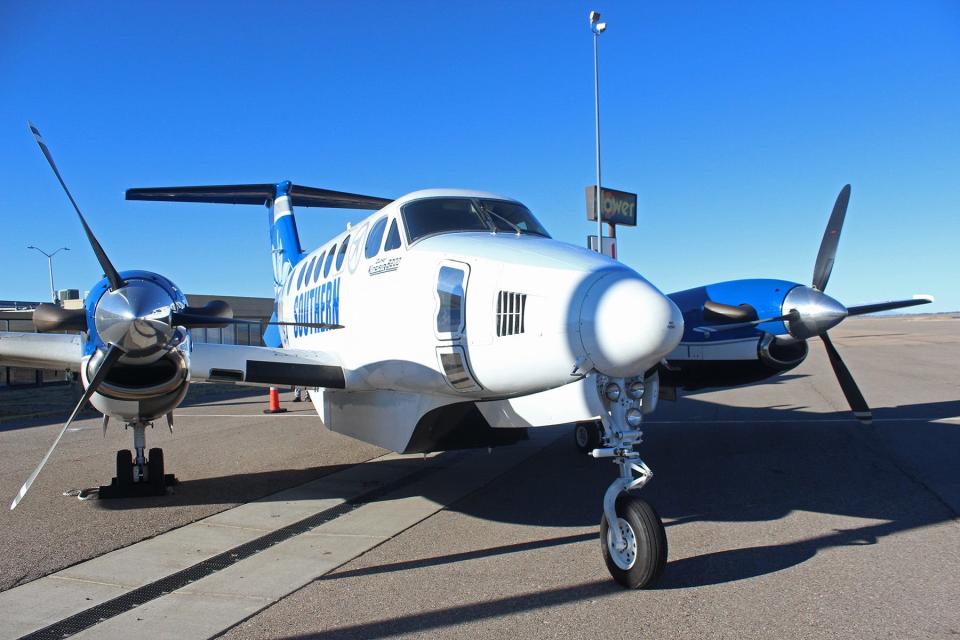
597	28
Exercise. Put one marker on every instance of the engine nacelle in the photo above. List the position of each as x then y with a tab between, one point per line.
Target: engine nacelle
137	391
727	364
781	354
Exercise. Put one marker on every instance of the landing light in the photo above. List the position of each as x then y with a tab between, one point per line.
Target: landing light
634	418
612	391
635	390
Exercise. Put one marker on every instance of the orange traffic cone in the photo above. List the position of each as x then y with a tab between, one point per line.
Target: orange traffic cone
274	402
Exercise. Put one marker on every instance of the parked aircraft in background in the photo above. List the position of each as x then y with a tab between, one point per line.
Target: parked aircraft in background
445	319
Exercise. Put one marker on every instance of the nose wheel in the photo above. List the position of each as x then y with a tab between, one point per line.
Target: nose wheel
639	558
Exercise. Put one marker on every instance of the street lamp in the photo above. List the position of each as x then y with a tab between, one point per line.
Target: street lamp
53	292
597	28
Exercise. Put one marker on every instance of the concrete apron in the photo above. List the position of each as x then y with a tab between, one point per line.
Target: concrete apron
225	597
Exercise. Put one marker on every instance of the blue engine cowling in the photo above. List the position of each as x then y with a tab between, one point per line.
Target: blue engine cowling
736	356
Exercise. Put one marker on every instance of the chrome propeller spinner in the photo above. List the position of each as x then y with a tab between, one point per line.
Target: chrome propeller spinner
808	312
137	318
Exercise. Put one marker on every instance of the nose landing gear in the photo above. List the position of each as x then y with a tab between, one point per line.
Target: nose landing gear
138	476
632	538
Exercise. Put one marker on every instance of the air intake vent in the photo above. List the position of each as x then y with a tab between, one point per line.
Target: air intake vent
511	309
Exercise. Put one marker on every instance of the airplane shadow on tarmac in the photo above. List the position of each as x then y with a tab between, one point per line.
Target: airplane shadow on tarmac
769	464
756	465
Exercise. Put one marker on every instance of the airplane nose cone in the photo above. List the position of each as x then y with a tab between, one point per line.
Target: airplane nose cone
816	312
627	325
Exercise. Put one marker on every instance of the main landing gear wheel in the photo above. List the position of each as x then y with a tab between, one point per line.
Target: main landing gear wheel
155	468
139	475
586	436
124	467
644	554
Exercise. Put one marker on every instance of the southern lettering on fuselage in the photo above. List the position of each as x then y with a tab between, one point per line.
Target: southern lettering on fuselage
321	304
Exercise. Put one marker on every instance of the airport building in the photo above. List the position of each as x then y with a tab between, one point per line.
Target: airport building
17	316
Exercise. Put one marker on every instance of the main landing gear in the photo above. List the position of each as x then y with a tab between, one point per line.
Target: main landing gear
632	537
139	475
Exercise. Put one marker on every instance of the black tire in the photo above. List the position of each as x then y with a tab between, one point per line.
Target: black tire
586	436
650	556
155	467
124	467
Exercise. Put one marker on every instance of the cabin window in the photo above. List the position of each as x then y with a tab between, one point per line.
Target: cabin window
343	252
326	267
316	271
393	237
375	237
300	273
309	271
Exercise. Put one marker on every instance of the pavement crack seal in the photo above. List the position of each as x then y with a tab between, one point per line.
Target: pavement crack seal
141	595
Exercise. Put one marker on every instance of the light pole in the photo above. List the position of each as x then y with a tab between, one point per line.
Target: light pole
597	28
53	292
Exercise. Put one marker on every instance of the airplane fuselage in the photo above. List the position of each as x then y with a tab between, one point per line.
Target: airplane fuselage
476	314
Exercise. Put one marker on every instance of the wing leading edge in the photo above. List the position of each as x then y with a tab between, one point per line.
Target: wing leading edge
40	350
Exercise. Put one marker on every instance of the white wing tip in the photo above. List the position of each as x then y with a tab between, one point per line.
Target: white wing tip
923	296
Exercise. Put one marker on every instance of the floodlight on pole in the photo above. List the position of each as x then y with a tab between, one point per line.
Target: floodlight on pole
597	28
53	292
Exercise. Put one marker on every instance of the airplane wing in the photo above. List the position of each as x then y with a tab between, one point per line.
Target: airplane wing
208	362
40	350
265	366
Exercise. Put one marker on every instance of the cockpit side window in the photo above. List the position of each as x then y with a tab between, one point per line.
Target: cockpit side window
393	237
512	216
375	237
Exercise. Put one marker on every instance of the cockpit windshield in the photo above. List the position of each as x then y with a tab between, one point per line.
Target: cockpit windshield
432	216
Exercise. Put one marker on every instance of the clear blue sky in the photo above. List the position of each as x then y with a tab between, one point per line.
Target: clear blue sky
736	123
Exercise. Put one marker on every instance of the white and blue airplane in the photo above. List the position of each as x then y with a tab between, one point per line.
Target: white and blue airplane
446	319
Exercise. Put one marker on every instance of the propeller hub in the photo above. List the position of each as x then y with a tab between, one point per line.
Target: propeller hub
814	312
136	318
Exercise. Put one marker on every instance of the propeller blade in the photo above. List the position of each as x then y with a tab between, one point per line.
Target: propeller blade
195	321
113	277
215	314
53	317
739	325
850	389
886	306
831	237
113	354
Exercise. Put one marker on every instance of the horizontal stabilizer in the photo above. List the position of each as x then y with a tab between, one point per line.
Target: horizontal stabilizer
259	194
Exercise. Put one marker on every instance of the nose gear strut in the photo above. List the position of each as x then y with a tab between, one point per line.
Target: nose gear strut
632	536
